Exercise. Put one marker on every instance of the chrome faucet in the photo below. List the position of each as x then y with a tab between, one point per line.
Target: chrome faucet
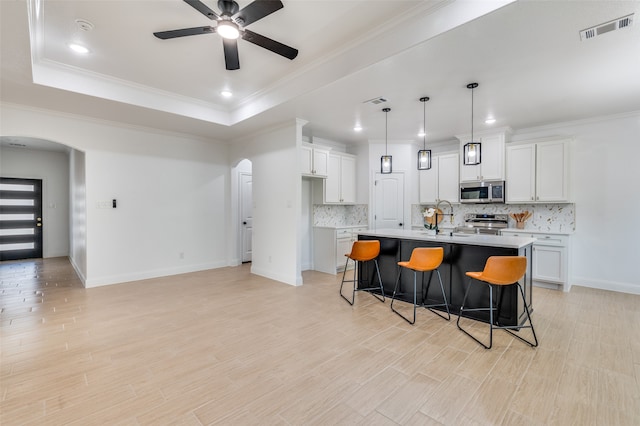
450	210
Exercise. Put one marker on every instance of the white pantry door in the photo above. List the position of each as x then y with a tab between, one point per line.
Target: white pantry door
246	215
388	198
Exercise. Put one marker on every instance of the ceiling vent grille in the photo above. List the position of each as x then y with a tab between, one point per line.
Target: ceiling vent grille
598	30
375	101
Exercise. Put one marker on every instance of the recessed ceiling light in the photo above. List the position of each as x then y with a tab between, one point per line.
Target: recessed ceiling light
226	93
422	134
78	48
490	120
357	128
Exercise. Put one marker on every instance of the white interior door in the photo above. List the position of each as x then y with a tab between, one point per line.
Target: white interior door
246	215
389	201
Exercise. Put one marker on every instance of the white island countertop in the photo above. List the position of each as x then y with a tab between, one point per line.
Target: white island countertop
469	239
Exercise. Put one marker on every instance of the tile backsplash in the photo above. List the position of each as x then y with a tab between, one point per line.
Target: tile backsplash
546	217
334	215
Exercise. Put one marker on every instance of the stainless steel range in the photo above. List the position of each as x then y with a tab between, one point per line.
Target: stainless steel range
482	223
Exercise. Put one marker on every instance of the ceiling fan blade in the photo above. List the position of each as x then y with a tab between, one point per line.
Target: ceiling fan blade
164	35
202	8
231	58
257	10
272	45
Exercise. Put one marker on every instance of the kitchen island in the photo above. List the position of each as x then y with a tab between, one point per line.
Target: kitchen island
462	253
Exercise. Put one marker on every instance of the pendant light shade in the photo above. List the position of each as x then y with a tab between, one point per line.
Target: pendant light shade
385	160
472	150
424	155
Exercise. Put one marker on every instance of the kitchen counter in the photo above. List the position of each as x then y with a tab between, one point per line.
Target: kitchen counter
462	253
470	239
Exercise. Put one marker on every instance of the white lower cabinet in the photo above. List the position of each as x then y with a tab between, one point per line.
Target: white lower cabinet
330	246
550	258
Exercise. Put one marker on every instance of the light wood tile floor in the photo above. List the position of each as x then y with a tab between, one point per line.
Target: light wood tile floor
228	347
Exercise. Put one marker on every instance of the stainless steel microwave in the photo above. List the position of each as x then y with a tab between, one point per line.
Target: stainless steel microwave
490	191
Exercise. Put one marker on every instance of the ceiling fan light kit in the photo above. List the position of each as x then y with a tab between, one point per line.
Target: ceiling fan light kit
472	149
231	23
424	155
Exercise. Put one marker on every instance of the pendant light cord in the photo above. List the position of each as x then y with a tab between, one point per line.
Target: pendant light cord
472	86
424	123
386	127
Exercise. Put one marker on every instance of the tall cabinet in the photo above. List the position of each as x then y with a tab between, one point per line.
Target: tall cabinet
340	185
491	165
441	182
538	172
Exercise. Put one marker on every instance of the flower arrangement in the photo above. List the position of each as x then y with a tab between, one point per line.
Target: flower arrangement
429	213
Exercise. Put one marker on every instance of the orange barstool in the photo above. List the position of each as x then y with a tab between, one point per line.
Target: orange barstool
362	251
499	271
423	259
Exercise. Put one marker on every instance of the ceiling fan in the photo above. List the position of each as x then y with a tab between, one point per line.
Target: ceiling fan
231	23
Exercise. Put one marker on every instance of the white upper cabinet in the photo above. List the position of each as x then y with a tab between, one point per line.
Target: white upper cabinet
314	161
441	182
491	165
340	185
538	172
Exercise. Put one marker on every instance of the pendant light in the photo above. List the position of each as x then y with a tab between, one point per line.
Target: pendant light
471	151
424	155
385	160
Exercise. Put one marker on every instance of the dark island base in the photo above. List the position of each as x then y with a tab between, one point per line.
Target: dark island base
458	259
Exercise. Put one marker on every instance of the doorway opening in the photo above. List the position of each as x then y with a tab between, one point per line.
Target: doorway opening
245	210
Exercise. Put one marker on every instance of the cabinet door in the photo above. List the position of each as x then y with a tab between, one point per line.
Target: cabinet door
520	181
548	263
551	171
492	157
343	246
306	160
347	179
332	182
428	183
448	178
470	173
320	162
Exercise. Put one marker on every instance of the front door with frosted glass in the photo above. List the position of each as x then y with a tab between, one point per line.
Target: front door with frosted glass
20	218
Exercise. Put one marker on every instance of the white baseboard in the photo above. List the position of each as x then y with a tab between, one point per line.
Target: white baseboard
607	285
277	277
78	271
144	275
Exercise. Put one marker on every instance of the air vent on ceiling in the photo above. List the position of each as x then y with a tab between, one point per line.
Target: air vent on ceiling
616	24
376	101
17	145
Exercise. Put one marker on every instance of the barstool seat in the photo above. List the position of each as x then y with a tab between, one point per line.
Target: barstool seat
423	259
362	251
499	271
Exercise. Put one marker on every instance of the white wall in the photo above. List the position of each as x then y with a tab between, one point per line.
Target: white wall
78	217
53	168
277	188
604	175
172	193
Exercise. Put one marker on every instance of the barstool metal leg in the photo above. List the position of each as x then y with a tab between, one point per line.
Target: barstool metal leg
393	297
490	309
445	304
506	328
356	280
344	273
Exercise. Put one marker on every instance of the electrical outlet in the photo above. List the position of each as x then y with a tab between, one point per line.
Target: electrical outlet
181	255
